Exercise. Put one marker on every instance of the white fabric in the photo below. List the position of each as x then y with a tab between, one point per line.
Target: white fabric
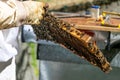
8	43
9	73
8	50
7	13
8	40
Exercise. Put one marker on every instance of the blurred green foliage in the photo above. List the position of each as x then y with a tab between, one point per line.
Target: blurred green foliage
34	61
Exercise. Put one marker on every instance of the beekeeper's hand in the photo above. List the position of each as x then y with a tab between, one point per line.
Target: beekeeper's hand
15	13
32	12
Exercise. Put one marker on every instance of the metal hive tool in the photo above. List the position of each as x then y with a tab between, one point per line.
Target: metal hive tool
78	42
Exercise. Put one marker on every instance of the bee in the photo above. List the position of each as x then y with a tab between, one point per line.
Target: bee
81	44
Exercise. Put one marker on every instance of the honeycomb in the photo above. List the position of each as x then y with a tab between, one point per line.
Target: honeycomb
80	43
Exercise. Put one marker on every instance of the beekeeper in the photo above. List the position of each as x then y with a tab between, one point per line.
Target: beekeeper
14	13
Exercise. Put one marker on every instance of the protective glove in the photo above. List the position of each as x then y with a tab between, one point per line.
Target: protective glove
34	12
15	13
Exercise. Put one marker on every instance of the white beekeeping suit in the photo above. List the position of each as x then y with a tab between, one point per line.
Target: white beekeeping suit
14	13
8	44
8	50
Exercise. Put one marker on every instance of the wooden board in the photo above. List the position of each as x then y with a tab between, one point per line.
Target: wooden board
100	28
91	24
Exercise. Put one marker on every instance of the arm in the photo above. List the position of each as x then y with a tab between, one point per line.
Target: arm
14	13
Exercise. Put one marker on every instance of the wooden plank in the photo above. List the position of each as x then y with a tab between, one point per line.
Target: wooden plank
100	28
112	13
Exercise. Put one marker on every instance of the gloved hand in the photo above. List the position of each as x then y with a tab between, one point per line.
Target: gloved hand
34	11
15	13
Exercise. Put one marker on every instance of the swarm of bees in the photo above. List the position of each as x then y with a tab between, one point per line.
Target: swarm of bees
81	44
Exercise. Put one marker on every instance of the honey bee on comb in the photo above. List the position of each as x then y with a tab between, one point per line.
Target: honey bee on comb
80	43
